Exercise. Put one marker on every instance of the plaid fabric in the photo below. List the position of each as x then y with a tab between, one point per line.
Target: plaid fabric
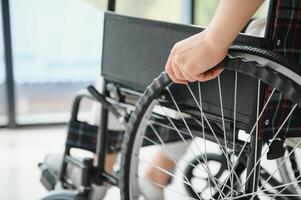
286	41
84	136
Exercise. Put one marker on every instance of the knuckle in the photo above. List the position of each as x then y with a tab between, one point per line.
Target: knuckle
187	69
189	77
172	78
176	45
177	59
176	75
191	80
176	81
201	78
173	51
167	68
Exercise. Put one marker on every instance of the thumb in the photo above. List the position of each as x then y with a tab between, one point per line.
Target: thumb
210	74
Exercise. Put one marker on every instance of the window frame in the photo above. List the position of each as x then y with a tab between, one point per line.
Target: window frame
188	12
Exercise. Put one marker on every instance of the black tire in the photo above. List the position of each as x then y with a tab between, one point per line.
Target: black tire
64	195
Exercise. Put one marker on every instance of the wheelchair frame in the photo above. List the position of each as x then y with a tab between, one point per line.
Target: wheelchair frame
120	85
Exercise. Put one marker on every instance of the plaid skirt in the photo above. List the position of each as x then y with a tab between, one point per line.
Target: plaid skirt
84	136
286	41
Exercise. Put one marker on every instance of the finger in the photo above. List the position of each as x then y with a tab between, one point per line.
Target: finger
171	74
186	75
168	69
179	81
209	75
178	73
179	70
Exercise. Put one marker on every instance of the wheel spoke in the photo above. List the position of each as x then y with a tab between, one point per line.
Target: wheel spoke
279	165
252	130
163	187
256	137
285	186
288	184
234	129
224	130
203	129
214	134
192	137
173	125
165	171
223	120
292	110
170	155
188	163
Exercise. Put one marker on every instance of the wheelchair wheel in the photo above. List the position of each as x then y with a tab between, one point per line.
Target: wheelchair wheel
199	178
64	195
222	115
291	173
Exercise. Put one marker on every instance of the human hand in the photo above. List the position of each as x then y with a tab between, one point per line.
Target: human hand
193	59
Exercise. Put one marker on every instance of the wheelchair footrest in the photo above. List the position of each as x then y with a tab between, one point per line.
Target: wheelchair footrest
48	179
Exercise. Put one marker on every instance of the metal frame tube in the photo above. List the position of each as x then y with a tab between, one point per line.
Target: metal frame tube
270	23
102	136
10	89
111	5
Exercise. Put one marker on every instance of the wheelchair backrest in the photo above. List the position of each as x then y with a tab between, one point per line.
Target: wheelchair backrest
135	52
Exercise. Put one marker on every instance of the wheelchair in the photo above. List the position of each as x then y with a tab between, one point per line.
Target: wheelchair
231	157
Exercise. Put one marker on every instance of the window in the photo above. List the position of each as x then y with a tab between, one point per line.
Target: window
205	9
165	10
56	52
57	48
3	111
3	116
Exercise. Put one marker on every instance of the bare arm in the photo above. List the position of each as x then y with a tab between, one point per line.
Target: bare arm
192	59
230	18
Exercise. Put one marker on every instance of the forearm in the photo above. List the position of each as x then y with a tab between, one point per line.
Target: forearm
230	18
194	58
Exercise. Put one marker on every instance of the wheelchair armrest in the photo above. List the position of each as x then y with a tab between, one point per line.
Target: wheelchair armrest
84	167
81	163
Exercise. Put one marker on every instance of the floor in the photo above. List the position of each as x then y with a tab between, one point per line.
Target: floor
22	149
